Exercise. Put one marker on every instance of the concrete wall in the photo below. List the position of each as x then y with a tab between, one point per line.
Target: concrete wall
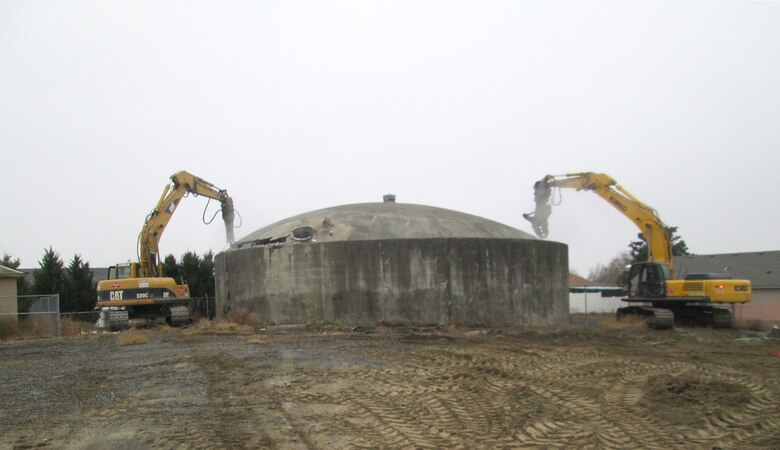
444	281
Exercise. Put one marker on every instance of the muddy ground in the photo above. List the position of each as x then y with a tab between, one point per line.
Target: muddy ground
586	385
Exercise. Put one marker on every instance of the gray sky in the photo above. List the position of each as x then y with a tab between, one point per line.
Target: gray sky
294	106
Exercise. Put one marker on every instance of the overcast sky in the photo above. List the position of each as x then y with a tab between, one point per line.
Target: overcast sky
294	106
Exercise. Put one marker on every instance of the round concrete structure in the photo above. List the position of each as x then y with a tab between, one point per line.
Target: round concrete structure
396	263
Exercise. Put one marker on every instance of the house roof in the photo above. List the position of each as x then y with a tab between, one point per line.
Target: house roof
98	274
7	272
576	280
761	268
580	284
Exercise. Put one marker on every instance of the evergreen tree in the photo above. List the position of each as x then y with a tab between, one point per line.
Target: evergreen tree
50	277
171	268
196	271
80	293
639	253
190	269
206	273
638	249
22	286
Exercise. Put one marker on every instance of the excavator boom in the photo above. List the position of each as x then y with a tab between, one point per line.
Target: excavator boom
182	184
652	229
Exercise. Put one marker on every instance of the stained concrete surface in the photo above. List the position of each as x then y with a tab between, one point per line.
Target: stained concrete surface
390	262
442	281
383	221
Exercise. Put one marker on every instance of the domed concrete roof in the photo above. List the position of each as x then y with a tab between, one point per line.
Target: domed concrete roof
379	221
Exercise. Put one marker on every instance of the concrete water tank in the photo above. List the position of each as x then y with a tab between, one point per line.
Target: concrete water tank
395	263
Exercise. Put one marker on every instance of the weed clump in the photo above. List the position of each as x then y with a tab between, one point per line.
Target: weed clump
218	327
132	336
242	316
70	327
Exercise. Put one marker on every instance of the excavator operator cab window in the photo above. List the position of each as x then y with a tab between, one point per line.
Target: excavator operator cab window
647	280
120	272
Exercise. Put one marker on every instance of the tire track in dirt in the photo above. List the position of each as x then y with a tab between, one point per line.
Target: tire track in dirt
739	423
161	395
243	405
460	398
624	396
307	390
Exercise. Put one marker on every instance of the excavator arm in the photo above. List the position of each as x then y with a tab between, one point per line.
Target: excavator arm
182	185
651	227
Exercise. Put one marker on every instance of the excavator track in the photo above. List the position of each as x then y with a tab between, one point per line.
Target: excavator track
178	316
655	318
665	318
118	319
703	316
659	318
721	318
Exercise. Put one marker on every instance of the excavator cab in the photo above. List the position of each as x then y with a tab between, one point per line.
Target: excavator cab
648	280
123	270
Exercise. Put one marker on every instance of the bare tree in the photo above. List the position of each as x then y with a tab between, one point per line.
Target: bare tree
610	274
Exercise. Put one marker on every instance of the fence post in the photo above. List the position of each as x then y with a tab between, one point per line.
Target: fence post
57	297
585	290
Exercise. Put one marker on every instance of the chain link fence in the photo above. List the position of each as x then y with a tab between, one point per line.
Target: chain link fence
82	316
30	316
203	308
26	316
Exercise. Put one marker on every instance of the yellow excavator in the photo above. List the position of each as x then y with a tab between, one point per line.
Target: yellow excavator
652	292
139	289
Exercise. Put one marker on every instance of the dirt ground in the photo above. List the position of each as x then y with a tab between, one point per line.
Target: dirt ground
590	384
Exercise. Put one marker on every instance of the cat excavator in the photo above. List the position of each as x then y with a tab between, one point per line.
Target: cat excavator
652	292
139	289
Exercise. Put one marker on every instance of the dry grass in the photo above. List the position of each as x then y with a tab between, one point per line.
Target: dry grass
218	327
239	321
257	339
70	327
28	328
384	329
243	316
626	323
166	329
561	328
132	336
35	329
9	329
